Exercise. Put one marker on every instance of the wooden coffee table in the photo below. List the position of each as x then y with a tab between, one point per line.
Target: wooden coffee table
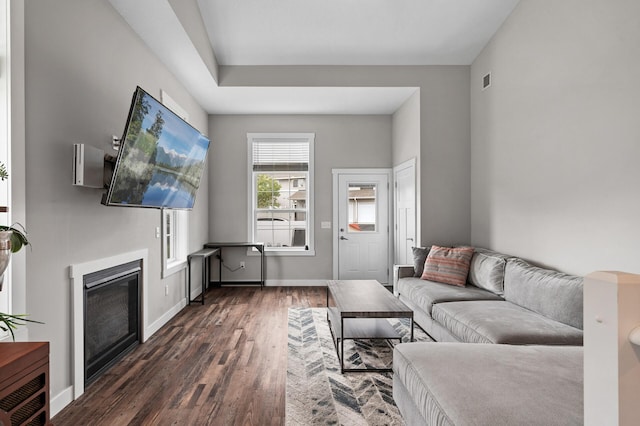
358	309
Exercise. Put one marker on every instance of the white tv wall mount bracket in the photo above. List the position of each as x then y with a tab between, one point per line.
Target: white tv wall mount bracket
115	142
92	167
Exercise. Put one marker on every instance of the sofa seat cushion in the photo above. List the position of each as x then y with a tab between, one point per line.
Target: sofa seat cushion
425	293
502	322
484	384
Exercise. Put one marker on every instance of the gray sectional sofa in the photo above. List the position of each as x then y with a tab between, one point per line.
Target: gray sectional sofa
506	300
508	346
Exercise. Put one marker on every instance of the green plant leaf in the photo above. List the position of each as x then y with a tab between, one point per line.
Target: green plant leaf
10	322
18	236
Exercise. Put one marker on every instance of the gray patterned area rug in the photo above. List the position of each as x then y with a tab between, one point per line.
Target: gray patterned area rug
318	394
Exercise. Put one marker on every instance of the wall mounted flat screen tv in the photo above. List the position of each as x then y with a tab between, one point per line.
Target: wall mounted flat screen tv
160	161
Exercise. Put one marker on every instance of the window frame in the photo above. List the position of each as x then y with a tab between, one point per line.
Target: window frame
309	249
6	295
179	241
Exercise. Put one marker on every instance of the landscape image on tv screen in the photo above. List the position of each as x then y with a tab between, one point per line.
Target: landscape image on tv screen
162	158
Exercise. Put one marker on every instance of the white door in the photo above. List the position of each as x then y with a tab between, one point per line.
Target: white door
405	212
363	226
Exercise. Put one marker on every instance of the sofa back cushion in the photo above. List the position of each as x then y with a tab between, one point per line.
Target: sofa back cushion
553	294
487	270
419	256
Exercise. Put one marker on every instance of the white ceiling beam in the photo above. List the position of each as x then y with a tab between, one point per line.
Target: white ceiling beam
188	12
157	24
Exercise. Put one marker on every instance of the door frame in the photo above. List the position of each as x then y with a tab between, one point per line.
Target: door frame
335	234
409	164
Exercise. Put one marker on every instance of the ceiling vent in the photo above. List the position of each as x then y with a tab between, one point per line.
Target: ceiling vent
486	81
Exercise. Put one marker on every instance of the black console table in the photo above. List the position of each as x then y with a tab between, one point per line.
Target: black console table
257	246
204	255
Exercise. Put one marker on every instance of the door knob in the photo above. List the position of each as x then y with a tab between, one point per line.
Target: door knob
343	237
409	239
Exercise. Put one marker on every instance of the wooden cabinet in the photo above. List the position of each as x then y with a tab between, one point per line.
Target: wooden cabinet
24	383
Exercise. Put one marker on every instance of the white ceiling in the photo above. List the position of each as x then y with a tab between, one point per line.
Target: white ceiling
315	32
351	32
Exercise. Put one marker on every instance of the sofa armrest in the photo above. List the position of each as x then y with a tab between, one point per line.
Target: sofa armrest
401	271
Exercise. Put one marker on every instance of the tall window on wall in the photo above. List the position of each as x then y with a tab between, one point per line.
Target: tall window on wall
174	223
281	191
175	228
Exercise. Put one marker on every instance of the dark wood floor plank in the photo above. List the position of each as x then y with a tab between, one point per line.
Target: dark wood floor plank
222	363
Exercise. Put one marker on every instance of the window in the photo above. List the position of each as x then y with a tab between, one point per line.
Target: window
280	179
362	207
175	230
175	223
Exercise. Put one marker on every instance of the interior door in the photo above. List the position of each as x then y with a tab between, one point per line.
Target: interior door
363	226
405	212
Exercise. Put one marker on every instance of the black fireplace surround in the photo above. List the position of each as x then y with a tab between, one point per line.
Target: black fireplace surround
111	316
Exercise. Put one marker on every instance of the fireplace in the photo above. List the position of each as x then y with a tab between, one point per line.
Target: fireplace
111	316
77	274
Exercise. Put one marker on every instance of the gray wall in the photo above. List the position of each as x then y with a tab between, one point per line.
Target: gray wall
406	130
445	154
82	65
344	141
555	139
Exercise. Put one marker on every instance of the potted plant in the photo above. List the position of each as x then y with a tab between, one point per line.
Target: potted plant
12	239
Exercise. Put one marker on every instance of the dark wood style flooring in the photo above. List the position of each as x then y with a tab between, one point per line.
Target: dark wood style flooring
223	363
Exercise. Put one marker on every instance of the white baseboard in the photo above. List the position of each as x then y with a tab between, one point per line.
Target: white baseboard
296	283
195	293
61	400
157	325
303	283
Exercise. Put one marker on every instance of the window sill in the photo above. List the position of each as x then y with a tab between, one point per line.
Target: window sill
271	252
173	268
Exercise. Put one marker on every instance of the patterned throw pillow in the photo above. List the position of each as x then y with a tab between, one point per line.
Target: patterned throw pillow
449	265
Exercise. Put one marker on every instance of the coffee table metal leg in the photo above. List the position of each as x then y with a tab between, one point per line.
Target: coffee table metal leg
342	345
411	328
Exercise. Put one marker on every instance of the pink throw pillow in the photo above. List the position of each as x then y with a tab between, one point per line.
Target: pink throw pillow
449	265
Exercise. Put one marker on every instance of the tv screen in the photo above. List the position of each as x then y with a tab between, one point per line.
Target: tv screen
160	160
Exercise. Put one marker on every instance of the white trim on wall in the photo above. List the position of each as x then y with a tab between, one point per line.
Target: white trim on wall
296	283
5	145
411	166
180	241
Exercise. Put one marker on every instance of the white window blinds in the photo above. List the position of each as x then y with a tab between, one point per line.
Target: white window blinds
269	156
